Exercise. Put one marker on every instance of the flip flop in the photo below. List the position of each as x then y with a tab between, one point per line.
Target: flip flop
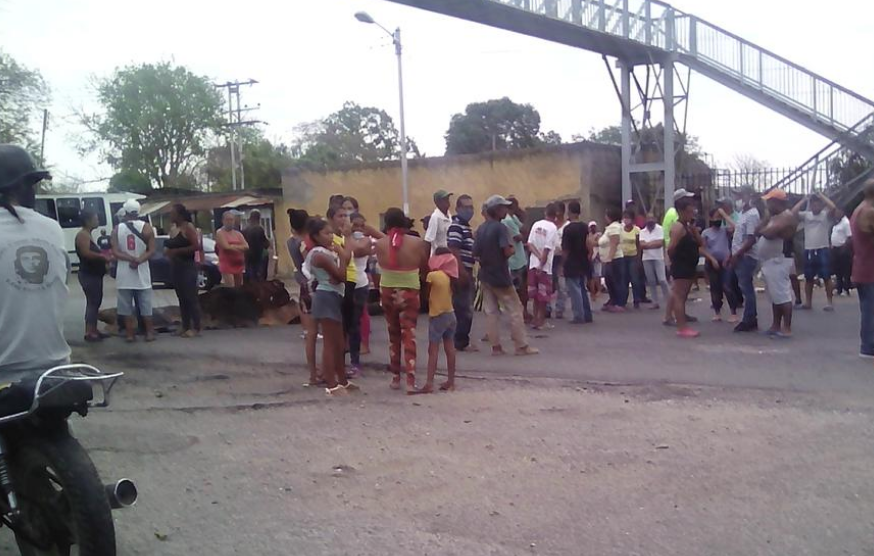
688	333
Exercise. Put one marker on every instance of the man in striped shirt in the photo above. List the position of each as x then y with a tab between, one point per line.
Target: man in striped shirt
460	242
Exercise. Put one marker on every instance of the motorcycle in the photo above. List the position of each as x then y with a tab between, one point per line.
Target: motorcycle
51	495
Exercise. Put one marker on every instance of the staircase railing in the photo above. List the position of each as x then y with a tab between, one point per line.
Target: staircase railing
821	171
659	25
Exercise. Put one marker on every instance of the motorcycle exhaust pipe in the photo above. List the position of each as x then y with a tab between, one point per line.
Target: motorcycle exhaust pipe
122	494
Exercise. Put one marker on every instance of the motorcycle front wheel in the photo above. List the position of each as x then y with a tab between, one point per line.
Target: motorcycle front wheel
64	509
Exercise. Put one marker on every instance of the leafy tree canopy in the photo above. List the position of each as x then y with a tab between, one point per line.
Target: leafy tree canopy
263	163
353	134
496	125
23	94
155	122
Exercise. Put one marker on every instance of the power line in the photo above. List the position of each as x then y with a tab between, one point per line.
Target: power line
235	121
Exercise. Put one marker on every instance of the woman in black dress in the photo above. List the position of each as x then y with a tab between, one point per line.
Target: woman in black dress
92	269
180	249
685	249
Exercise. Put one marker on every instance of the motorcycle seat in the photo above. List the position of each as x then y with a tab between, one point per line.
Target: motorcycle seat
18	397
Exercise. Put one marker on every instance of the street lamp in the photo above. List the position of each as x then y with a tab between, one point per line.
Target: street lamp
364	17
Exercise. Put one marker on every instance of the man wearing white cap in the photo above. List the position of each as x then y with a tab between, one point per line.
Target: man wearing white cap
133	243
671	215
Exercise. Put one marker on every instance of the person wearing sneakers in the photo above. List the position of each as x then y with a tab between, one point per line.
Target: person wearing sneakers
817	264
862	226
652	243
610	253
744	259
133	244
778	224
492	247
717	242
684	251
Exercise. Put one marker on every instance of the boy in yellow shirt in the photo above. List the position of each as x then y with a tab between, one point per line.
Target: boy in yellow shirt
441	329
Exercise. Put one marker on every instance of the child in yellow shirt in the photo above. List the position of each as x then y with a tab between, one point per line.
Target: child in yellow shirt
441	328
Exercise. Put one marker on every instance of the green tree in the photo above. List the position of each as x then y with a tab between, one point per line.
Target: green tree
23	95
129	181
263	163
155	122
351	135
496	125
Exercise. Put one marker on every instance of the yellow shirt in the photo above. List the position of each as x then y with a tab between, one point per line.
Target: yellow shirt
351	271
628	241
440	296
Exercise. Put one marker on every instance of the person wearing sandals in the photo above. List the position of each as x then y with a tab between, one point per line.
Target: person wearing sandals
685	248
92	269
298	249
778	224
326	265
180	250
401	256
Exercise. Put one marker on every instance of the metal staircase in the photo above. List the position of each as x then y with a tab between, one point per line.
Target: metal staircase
828	171
650	32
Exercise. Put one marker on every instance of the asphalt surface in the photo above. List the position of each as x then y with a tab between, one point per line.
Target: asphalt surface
633	348
619	439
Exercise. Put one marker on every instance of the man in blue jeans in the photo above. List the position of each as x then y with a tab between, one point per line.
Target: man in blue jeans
577	254
744	259
460	240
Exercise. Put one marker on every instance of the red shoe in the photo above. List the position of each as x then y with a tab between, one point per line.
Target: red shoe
688	333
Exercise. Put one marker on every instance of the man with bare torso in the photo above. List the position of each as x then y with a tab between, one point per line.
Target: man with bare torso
402	258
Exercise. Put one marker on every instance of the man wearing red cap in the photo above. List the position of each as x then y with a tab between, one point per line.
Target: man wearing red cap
778	225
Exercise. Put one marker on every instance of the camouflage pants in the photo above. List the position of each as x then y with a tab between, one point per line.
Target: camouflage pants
401	308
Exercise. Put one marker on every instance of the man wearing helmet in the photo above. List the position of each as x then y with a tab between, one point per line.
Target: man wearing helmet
33	274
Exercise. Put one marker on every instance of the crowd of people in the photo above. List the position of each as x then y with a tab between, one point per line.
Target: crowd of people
526	271
243	254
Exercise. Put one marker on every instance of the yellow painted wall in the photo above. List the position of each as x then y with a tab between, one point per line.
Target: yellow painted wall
585	171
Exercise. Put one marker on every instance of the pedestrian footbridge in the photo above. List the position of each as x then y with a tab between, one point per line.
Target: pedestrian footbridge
650	32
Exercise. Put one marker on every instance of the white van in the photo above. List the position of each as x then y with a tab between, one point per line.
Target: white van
66	208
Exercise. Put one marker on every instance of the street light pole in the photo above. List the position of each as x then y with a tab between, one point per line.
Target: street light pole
405	183
364	17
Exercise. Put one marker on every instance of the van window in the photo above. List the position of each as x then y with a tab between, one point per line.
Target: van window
114	208
96	205
46	207
68	212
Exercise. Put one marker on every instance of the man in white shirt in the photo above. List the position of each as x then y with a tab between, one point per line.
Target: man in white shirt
33	274
133	243
652	242
842	253
542	243
817	262
558	281
437	234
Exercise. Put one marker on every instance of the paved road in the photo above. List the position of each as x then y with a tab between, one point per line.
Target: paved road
769	455
633	348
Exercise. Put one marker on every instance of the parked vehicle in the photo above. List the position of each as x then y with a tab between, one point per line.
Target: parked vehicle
51	496
208	275
66	208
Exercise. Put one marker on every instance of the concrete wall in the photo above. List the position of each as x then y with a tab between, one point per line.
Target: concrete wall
589	172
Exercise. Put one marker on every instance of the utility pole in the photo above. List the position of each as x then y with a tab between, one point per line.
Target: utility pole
235	121
42	143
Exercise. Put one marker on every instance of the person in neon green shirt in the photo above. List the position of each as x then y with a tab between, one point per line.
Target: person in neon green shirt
671	215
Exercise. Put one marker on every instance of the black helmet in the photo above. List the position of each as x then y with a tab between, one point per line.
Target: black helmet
17	167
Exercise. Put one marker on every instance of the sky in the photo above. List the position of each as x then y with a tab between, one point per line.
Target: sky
311	56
